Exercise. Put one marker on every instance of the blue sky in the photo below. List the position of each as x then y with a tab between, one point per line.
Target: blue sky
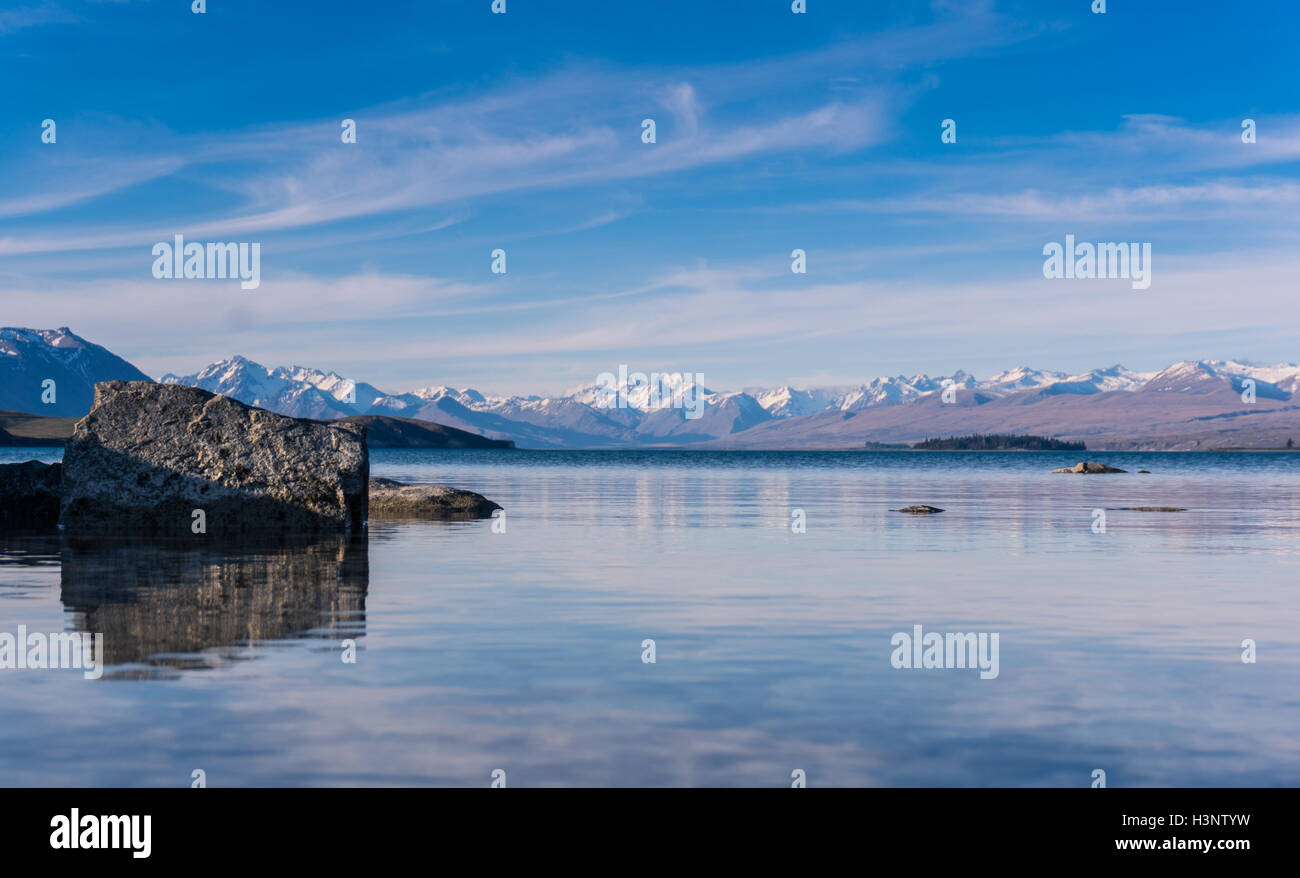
775	131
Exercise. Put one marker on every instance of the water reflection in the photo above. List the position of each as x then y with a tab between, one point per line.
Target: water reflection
28	548
522	649
174	604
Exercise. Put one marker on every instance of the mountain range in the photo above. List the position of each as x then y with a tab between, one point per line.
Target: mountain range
1190	404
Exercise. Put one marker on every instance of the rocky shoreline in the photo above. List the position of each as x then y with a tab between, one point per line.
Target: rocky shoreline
163	459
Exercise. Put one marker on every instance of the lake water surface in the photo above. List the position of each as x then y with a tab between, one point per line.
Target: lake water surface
522	650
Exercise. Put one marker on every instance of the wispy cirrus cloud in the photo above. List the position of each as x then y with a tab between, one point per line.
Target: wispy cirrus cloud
412	157
573	128
94	179
1173	201
23	17
1149	168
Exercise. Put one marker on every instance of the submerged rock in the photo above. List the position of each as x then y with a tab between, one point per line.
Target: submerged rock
1148	509
149	457
29	494
1089	466
919	510
390	499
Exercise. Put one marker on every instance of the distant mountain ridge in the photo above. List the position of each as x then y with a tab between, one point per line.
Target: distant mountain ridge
895	409
1194	404
384	431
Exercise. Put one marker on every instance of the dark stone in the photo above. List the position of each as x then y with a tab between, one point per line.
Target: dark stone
29	494
919	510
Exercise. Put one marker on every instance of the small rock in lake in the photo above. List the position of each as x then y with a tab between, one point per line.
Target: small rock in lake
1088	467
390	499
919	510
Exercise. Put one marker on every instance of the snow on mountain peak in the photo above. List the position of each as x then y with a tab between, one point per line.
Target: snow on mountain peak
659	390
586	411
62	338
31	357
1023	378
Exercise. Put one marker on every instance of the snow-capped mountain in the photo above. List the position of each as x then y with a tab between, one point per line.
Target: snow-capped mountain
1022	378
787	402
1054	383
31	357
634	410
626	411
723	415
1206	376
465	396
1114	378
898	390
659	390
1201	399
287	391
343	390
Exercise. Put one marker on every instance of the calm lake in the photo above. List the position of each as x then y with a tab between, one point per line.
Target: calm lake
477	650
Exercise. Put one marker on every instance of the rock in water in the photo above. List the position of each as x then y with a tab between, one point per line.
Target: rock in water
1149	509
919	510
150	456
1089	466
390	499
29	494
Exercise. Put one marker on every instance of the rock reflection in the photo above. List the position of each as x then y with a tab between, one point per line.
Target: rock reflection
171	604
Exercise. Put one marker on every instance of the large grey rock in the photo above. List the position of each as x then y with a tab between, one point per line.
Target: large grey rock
149	455
390	499
1088	467
29	494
